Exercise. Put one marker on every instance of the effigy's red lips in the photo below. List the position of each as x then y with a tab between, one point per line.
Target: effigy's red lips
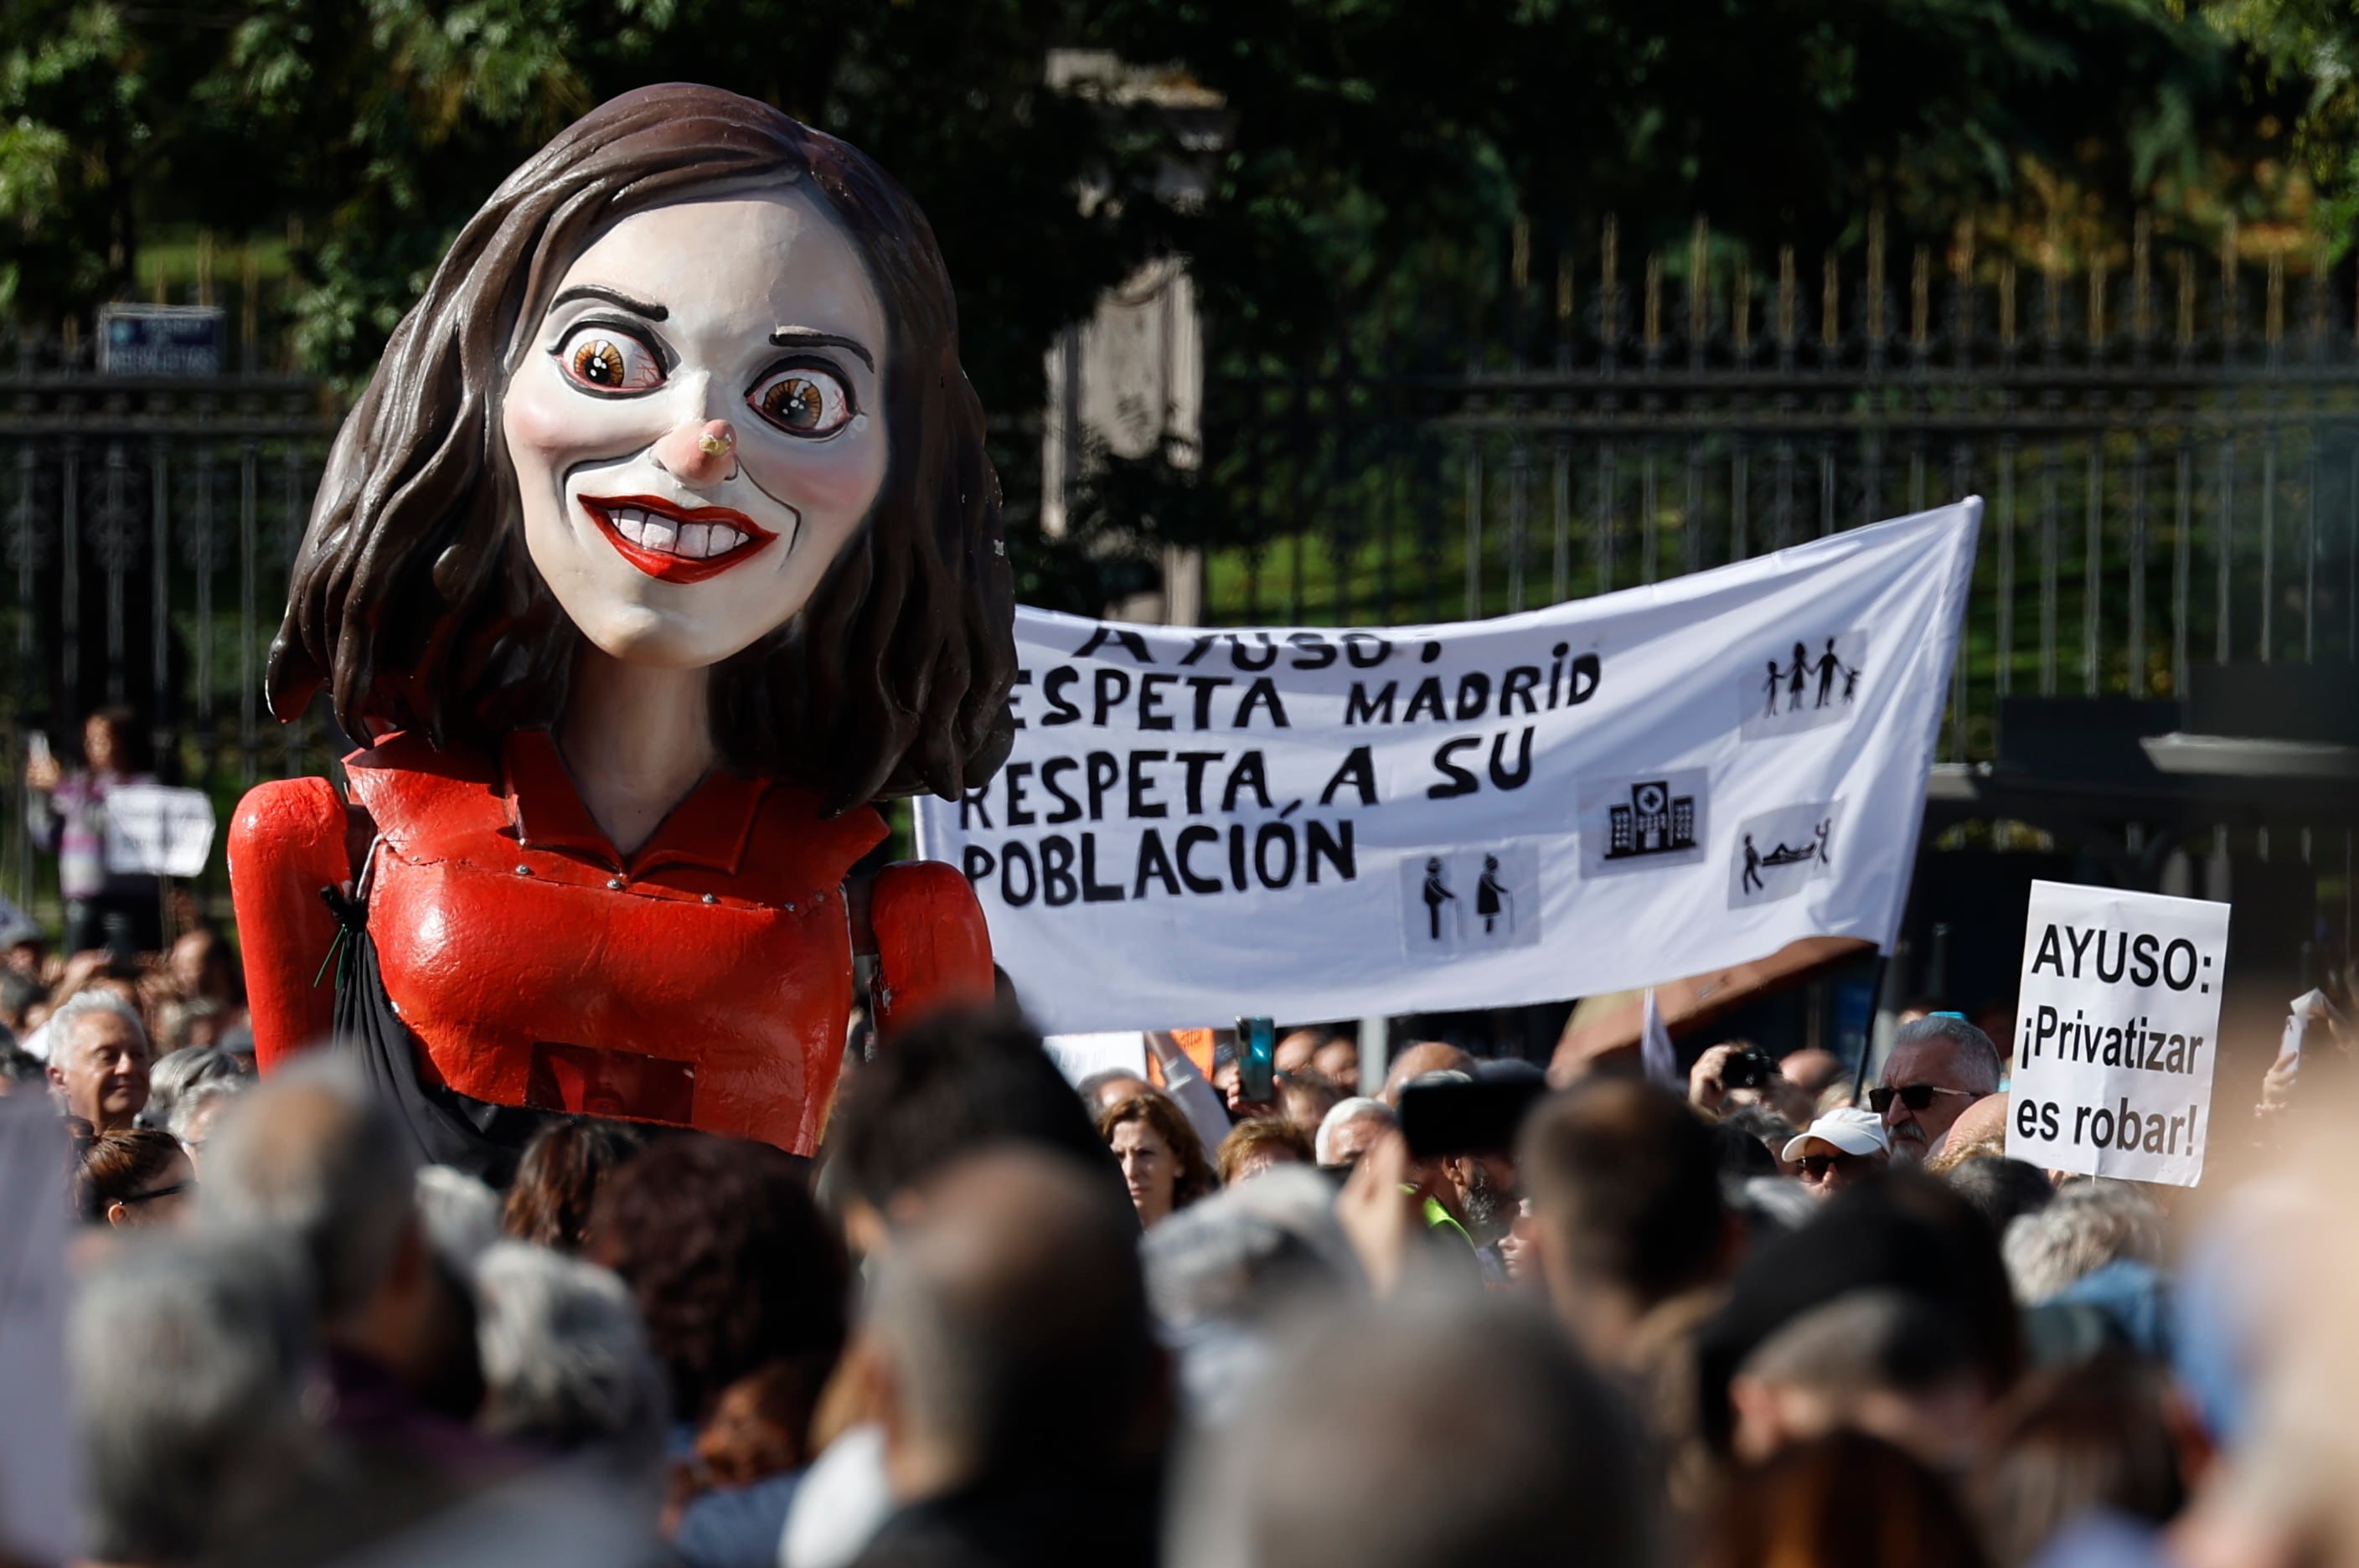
676	543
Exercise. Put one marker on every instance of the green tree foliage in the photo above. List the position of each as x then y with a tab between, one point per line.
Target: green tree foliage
2305	53
372	128
1377	153
1376	136
1384	149
80	136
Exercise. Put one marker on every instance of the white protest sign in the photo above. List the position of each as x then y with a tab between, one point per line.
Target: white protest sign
1078	1055
2117	1024
154	831
1332	822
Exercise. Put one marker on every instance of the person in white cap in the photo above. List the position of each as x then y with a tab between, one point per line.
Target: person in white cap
1840	1149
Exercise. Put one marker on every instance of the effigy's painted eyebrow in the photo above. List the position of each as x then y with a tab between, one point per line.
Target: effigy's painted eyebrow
802	337
652	312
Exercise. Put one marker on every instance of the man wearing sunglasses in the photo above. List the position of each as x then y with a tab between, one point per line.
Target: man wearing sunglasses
1938	1066
1843	1148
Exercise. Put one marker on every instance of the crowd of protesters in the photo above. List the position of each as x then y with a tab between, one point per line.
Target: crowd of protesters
188	995
129	1029
1779	1318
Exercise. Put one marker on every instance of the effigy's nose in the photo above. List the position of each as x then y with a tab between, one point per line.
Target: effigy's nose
700	454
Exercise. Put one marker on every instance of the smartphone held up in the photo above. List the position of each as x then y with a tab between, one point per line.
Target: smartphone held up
1257	1059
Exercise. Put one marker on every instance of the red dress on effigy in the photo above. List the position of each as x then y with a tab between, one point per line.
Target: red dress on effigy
507	961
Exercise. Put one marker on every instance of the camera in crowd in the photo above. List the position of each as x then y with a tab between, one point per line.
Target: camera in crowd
1751	1068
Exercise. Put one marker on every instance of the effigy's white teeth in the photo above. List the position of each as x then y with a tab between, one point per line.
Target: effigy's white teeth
661	533
696	540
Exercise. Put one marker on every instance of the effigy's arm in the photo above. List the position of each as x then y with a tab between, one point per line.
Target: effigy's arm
933	950
290	839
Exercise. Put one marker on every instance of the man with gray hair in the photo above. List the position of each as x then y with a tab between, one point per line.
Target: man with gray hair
197	1110
99	1058
178	1074
1352	1127
1425	1437
566	1363
1224	1272
1937	1067
2087	1226
311	1158
188	1366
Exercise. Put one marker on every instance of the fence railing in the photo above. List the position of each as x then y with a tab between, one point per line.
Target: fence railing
2168	452
147	529
2167	440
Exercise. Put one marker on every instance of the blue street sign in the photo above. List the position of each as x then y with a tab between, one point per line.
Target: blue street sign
161	340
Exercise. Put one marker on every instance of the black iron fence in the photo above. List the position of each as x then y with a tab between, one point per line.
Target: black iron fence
147	527
2169	451
2167	441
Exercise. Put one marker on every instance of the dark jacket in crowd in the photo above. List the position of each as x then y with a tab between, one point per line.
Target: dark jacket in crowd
1049	1522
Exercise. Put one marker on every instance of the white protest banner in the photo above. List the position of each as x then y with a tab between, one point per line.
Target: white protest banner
2117	1023
1330	822
154	831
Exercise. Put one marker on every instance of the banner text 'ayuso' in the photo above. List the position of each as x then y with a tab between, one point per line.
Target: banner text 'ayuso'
1325	822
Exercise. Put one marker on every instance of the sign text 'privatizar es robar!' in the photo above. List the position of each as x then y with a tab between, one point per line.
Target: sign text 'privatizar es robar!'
2117	1026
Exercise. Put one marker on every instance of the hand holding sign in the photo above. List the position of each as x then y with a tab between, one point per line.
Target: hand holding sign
152	831
2118	1024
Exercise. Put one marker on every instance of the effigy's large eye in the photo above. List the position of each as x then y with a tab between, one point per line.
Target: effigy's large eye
803	400
605	360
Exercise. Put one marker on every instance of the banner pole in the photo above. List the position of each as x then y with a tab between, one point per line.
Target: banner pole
1867	1040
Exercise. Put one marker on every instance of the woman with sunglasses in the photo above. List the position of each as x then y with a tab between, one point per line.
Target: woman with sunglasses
1842	1148
135	1179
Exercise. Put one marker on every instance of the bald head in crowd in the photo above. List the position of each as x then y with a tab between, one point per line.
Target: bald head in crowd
1102	1091
1007	1329
1427	1056
1810	1068
1352	1127
1980	1128
1295	1049
1454	1433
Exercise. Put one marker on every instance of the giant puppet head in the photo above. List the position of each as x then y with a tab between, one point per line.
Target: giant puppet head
686	387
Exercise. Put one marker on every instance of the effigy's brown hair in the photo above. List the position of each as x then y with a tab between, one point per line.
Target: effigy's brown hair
415	601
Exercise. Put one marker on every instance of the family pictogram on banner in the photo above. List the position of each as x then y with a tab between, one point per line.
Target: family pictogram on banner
1804	690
